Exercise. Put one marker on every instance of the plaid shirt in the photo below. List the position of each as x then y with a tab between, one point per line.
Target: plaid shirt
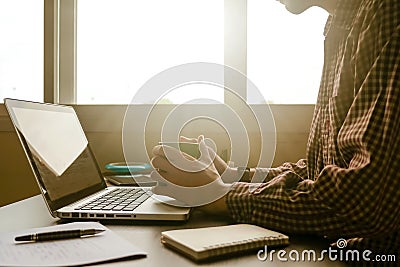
349	186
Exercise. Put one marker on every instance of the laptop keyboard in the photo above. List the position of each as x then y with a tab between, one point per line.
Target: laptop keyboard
120	199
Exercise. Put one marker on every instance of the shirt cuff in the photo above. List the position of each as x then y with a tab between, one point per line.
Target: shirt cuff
239	202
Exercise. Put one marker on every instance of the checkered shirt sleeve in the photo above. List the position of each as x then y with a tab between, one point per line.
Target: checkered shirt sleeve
349	186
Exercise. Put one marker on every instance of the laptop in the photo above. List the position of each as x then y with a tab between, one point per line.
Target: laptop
68	175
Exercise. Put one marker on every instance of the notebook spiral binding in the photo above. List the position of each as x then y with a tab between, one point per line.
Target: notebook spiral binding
246	244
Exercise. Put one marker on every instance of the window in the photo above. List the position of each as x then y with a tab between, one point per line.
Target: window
284	52
123	43
21	49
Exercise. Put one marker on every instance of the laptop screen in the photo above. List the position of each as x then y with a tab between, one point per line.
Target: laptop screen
58	151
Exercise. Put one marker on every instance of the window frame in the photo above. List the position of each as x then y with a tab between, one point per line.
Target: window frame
60	51
61	74
51	59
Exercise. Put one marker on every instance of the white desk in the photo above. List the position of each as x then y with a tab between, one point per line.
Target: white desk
32	212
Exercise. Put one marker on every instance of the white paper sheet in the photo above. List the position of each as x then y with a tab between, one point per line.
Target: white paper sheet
69	252
56	138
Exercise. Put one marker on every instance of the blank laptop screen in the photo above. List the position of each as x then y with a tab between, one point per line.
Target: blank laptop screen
58	151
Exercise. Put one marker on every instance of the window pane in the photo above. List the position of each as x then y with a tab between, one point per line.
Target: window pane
285	52
123	43
21	49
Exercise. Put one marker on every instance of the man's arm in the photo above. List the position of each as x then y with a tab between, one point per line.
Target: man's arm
360	200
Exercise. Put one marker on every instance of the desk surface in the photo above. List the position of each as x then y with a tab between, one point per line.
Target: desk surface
32	212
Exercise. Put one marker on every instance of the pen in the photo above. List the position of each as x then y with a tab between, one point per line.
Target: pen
57	235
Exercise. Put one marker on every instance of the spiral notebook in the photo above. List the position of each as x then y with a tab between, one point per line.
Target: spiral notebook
210	242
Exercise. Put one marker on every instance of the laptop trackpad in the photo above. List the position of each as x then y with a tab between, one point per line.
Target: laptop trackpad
168	200
153	205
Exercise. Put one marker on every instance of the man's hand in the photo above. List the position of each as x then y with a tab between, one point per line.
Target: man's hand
193	182
228	174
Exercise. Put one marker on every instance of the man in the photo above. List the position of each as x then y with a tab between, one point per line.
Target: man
349	186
